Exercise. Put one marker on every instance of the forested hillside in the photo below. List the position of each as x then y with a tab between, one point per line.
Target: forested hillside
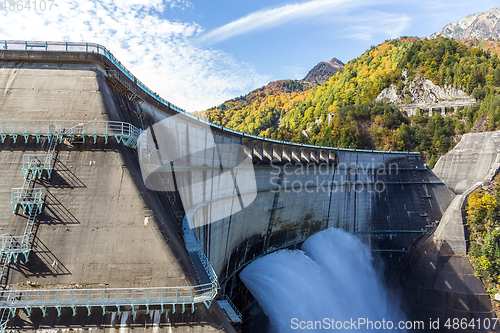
483	213
285	110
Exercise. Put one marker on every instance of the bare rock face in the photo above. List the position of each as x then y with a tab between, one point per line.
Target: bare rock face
420	91
480	26
390	95
424	95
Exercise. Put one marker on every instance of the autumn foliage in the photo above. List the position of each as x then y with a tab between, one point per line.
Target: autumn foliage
343	113
484	228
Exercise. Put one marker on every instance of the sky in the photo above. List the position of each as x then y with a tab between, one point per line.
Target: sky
198	53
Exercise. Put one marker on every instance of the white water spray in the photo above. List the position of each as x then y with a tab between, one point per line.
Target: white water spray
331	280
156	317
123	322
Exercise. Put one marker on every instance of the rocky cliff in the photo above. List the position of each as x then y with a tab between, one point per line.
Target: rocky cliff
420	90
480	26
323	71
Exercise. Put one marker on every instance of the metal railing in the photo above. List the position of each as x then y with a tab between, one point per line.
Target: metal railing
27	198
59	298
208	268
128	85
37	163
31	200
13	244
193	246
228	303
99	49
123	132
4	319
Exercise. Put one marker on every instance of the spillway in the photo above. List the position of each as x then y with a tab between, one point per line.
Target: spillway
330	282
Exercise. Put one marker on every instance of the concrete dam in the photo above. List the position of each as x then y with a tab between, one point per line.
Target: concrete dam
109	229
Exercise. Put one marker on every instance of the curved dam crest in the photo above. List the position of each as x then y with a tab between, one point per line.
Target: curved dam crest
100	189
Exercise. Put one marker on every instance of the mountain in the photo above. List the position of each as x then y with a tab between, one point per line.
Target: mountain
323	71
316	77
230	113
480	26
344	112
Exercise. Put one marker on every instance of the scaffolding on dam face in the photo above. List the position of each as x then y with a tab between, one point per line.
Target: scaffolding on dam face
30	199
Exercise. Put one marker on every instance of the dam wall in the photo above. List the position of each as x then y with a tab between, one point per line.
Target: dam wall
100	226
388	199
388	211
104	226
437	279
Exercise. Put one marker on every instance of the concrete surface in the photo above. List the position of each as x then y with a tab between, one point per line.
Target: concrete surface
474	159
100	225
438	280
439	284
451	226
98	195
95	199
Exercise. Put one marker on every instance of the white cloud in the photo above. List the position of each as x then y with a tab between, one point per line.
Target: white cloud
167	56
272	17
158	51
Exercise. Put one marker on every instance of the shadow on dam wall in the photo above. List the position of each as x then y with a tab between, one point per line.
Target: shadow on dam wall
344	196
389	221
92	231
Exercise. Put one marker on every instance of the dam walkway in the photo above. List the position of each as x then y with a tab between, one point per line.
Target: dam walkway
262	150
121	131
31	200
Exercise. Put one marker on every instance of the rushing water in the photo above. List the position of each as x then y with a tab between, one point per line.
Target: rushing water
330	282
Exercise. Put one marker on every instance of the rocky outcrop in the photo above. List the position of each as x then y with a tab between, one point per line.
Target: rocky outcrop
420	90
480	26
323	71
423	94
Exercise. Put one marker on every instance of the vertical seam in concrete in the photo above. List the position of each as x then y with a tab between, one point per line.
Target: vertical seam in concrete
228	255
330	199
355	194
273	210
120	188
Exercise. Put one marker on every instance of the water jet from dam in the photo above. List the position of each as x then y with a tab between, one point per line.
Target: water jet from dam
331	278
